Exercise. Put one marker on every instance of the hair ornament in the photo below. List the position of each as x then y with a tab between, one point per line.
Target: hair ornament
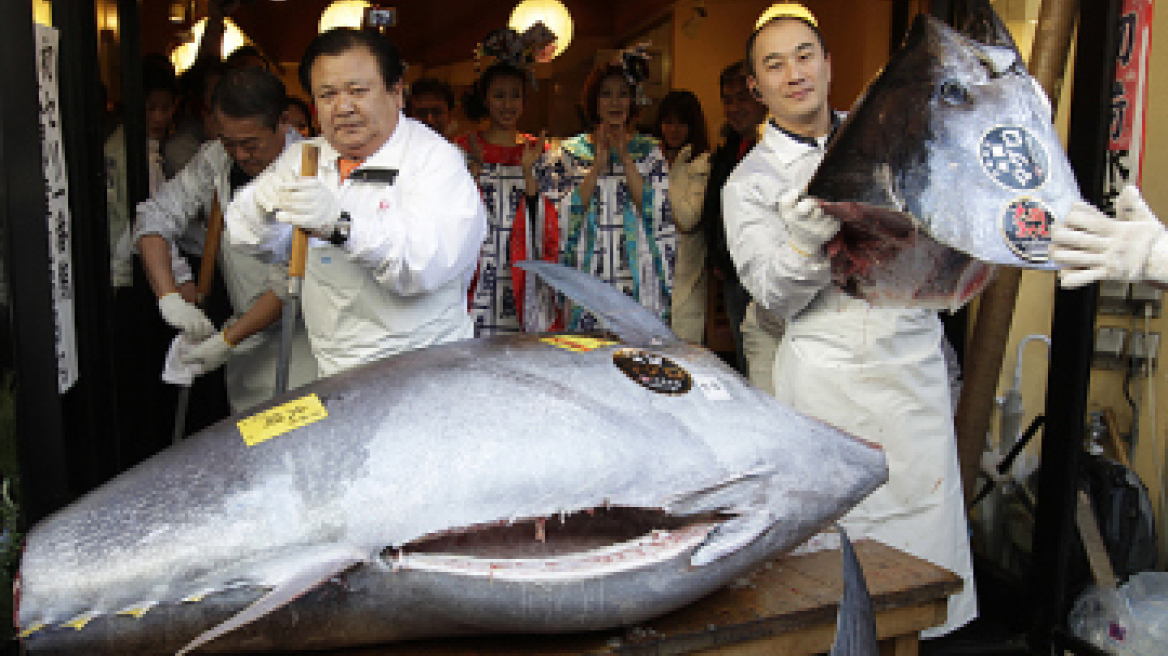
536	44
634	63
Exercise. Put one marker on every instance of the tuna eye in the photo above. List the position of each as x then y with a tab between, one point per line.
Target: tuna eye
953	93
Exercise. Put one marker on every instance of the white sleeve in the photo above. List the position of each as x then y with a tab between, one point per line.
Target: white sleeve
246	223
434	235
169	211
687	191
778	277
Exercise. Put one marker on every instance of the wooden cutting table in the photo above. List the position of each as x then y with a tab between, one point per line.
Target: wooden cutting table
787	606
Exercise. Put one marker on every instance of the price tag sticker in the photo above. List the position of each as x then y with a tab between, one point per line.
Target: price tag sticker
276	421
711	388
577	343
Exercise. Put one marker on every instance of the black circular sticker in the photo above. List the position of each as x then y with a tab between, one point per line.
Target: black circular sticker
1014	158
1026	225
653	372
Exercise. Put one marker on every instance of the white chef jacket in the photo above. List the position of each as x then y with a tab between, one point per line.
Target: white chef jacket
400	281
250	372
878	373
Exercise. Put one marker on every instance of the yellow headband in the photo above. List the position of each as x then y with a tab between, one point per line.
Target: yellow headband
786	10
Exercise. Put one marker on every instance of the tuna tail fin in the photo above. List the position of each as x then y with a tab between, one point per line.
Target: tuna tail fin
855	630
306	575
632	322
984	25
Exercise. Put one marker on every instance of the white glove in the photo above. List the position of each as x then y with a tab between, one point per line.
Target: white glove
307	203
185	316
265	189
208	355
1091	246
809	227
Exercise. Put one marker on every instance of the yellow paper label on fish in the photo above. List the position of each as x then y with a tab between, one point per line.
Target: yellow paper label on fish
577	343
281	419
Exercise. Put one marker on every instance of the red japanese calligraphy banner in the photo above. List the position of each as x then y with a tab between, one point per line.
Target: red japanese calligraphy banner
1129	98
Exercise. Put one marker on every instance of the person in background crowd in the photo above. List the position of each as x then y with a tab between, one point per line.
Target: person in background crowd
744	112
681	129
161	92
300	117
198	83
250	107
196	123
431	101
397	221
875	372
612	185
509	167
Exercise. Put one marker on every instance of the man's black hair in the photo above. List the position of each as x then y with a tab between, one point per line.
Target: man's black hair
343	39
248	92
754	37
733	74
430	86
158	74
241	54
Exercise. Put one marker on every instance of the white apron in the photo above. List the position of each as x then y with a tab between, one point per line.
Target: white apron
879	373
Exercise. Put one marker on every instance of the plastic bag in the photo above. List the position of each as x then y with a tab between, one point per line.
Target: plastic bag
1129	620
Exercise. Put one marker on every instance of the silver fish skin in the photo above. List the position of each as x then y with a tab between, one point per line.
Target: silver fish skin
381	521
947	167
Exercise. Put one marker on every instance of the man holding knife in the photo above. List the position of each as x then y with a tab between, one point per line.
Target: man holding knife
395	218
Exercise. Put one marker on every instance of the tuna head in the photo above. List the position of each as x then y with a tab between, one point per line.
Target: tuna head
947	167
514	484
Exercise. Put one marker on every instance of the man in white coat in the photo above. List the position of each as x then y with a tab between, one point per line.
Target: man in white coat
249	107
878	373
397	221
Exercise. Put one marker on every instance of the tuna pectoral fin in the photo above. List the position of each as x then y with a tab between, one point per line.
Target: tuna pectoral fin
855	629
304	576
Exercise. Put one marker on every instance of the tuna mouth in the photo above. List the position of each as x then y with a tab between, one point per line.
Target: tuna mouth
579	545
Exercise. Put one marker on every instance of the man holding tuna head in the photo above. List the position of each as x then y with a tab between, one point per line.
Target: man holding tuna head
878	373
396	220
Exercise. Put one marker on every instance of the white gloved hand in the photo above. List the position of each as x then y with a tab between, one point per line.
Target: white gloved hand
208	355
809	226
1091	246
185	316
307	203
265	189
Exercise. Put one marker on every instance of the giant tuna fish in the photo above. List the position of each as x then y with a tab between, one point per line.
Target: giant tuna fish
946	168
514	484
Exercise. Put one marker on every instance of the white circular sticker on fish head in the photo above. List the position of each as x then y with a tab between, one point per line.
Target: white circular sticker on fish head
1025	224
1014	158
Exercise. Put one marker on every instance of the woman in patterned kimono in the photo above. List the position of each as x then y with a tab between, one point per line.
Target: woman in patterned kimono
522	224
612	185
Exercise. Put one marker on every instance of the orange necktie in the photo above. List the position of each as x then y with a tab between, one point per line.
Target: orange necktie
345	166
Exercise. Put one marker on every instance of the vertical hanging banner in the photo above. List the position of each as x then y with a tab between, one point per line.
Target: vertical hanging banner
57	202
1129	100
